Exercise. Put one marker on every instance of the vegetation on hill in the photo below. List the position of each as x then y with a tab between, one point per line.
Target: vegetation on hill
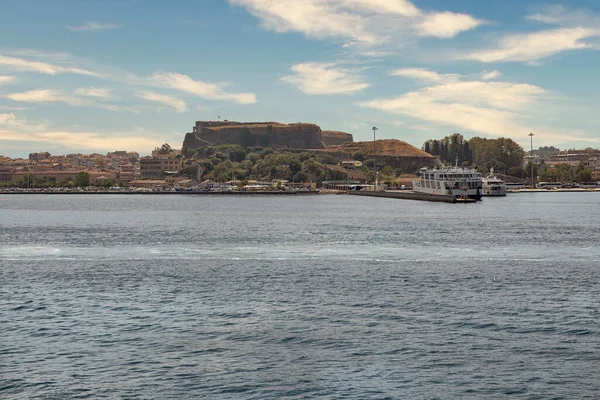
231	162
502	154
450	150
81	179
505	156
546	151
564	173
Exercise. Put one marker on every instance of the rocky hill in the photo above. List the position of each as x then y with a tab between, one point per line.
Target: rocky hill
385	147
264	134
393	152
336	138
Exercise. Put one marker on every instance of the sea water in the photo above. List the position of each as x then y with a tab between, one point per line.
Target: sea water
188	297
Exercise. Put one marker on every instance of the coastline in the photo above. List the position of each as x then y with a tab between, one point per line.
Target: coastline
199	193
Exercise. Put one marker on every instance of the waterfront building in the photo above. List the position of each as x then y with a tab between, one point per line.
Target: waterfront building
6	173
64	175
570	157
339	184
158	167
351	163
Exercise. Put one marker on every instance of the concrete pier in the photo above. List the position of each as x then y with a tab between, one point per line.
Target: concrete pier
407	195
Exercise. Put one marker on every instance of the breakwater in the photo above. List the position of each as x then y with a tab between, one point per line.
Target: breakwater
407	195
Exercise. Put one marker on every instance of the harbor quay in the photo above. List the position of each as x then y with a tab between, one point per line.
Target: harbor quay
408	195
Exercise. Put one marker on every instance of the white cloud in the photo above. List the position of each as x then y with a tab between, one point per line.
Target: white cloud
201	107
363	23
13	108
6	79
424	75
560	15
13	128
22	64
52	64
207	90
61	96
313	18
486	76
574	30
480	107
531	47
447	24
90	26
176	104
93	92
400	7
12	121
322	78
45	96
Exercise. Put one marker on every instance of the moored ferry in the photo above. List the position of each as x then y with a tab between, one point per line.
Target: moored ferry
493	186
453	181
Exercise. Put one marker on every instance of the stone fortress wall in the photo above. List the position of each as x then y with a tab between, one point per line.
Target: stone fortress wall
264	134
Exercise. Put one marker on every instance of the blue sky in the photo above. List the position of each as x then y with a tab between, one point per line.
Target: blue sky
104	75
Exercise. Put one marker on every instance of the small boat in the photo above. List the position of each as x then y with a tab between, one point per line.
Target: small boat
493	186
465	199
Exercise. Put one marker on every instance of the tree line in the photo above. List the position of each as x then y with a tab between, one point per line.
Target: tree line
81	179
502	154
223	163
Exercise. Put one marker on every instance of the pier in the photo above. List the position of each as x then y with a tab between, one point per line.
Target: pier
408	195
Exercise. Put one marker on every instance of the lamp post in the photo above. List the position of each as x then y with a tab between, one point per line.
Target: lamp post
374	161
348	175
531	135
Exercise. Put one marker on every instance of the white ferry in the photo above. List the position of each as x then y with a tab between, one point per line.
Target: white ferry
454	181
493	186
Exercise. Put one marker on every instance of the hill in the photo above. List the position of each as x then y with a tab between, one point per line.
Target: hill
385	147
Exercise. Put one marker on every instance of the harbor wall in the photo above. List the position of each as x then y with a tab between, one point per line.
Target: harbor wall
407	196
263	134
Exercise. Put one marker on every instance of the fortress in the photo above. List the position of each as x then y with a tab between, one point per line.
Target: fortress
304	136
265	134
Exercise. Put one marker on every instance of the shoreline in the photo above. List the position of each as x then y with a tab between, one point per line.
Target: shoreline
573	190
270	193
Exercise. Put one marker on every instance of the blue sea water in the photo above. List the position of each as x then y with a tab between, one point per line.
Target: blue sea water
298	297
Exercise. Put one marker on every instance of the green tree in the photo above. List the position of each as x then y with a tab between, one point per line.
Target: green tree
435	148
301	177
358	156
82	179
502	150
163	150
427	148
585	175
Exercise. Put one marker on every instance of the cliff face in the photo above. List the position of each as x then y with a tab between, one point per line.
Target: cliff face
264	134
335	138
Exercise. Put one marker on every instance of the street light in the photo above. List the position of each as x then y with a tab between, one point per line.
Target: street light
374	161
531	135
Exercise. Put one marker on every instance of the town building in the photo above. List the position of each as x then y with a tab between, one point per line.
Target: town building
351	163
158	167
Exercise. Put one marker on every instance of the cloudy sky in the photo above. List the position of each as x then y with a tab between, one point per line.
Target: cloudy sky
103	75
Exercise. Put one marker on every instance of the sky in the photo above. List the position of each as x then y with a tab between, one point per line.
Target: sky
104	75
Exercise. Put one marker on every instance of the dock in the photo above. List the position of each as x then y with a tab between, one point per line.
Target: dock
409	195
